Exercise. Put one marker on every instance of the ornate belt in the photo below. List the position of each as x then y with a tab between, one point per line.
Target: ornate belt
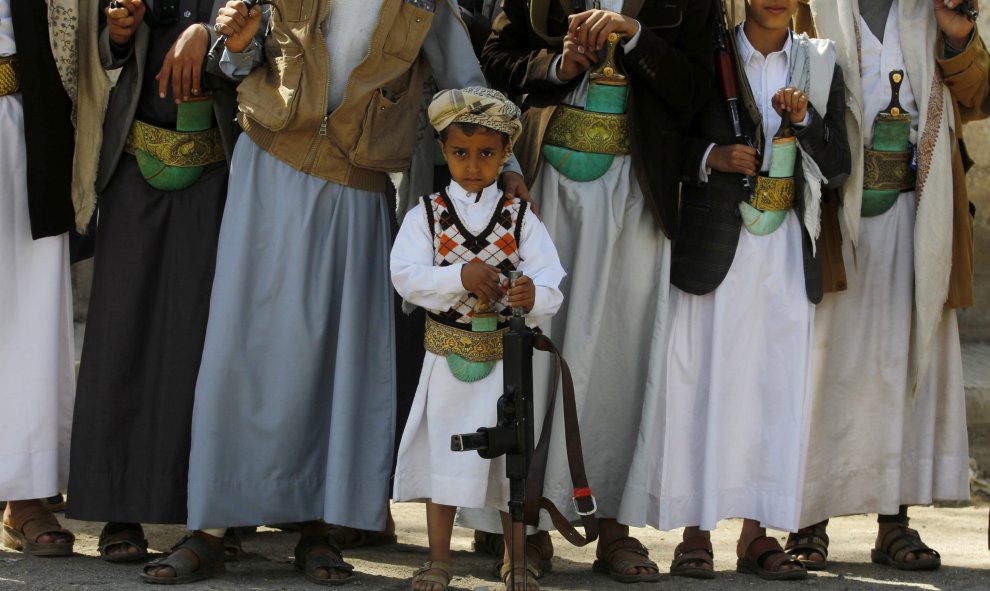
584	131
773	194
444	340
10	75
888	171
181	149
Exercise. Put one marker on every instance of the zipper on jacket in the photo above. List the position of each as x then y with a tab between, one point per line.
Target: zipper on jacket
311	156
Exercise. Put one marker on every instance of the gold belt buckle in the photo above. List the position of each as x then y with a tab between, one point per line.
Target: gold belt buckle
441	339
888	171
585	131
773	194
10	75
176	148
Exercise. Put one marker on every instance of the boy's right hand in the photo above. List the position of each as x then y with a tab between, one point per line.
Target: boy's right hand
735	158
482	280
239	24
124	19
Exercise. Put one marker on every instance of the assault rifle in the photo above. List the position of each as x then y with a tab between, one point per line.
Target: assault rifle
728	79
513	437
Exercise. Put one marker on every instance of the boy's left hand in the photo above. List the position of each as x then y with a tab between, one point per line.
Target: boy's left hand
182	67
523	294
793	101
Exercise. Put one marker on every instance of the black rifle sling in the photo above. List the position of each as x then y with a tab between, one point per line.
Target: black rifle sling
583	500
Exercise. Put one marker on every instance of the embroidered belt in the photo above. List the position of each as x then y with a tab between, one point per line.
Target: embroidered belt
773	194
10	75
183	149
585	131
444	340
888	171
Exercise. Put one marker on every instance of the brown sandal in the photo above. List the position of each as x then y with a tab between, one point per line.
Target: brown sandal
898	543
309	560
807	541
36	521
421	576
520	576
539	554
764	558
688	554
612	565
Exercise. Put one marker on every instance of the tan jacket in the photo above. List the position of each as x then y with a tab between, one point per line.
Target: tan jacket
373	131
966	75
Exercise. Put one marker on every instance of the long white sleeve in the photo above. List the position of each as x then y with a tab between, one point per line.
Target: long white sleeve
414	275
539	262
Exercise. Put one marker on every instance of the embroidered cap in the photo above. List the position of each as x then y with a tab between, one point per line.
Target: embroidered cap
481	106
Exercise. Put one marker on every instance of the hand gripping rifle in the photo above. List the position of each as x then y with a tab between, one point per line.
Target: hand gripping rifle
968	10
512	436
725	71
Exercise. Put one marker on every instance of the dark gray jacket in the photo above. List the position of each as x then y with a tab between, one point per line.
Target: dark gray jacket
127	92
710	221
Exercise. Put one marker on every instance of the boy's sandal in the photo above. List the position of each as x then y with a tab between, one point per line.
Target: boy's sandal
488	543
210	563
348	538
309	561
539	555
808	541
35	521
898	543
765	559
687	556
122	537
523	576
614	565
423	574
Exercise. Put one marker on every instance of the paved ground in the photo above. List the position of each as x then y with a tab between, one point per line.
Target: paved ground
959	533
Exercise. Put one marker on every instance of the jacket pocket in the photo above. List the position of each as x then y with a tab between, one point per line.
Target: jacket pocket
388	132
409	31
269	95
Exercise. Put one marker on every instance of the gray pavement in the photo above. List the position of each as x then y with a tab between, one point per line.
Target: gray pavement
959	533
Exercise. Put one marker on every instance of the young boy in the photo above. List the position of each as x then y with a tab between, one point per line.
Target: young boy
745	280
450	257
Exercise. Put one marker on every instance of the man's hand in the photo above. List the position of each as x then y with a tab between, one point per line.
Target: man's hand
575	61
239	24
482	280
124	20
793	102
591	28
736	158
522	294
957	27
183	64
514	185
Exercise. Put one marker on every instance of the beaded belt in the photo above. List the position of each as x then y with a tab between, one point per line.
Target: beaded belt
182	149
442	339
888	171
585	131
773	194
10	75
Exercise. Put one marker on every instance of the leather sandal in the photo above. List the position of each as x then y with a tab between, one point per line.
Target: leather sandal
488	543
614	566
210	563
348	538
309	563
689	553
523	576
123	536
898	543
807	541
232	549
765	558
421	575
539	554
34	521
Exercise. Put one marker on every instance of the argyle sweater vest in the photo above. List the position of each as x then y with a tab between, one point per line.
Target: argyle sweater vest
496	245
